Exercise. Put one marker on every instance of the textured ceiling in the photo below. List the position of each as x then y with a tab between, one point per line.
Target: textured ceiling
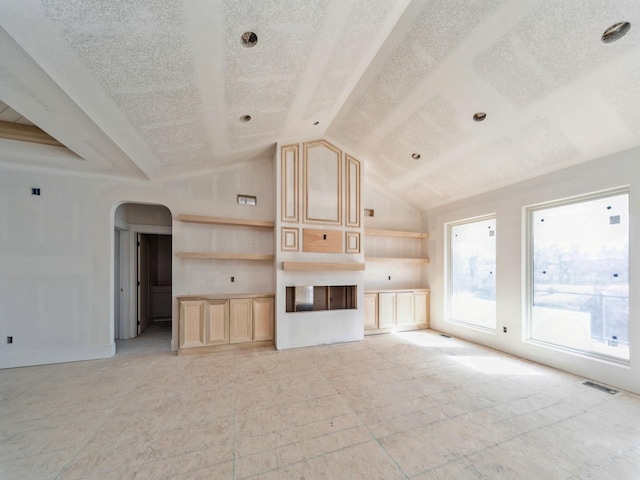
155	88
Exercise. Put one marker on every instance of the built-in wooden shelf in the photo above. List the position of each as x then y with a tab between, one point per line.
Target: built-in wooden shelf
226	256
395	233
321	266
239	222
396	260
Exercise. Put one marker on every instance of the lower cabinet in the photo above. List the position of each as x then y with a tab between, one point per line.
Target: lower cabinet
209	322
386	309
263	319
396	310
370	311
192	332
216	322
240	320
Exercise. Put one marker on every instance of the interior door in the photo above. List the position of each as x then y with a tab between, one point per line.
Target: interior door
116	284
144	317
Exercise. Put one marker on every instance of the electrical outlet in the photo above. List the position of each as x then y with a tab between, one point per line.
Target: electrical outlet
504	329
9	339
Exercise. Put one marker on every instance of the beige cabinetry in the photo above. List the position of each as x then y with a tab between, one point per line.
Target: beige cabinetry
370	311
263	319
404	309
322	183
216	322
326	184
386	309
208	324
240	316
396	310
421	307
192	323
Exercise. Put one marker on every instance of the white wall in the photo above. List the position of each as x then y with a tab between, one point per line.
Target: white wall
507	203
52	263
141	214
56	254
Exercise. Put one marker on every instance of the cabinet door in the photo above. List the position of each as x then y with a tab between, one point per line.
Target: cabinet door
191	323
263	313
217	322
421	308
370	311
386	309
322	186
240	320
404	308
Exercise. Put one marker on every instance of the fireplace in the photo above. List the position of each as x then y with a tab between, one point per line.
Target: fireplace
307	298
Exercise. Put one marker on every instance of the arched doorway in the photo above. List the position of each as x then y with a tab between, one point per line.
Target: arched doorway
142	277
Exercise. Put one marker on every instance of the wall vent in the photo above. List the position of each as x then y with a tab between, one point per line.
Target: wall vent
247	200
602	388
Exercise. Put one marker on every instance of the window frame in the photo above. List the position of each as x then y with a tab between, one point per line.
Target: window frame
528	270
448	274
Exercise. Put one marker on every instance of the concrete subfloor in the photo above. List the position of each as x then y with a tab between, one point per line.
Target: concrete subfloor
411	405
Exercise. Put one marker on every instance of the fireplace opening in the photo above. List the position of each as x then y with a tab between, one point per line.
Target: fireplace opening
309	298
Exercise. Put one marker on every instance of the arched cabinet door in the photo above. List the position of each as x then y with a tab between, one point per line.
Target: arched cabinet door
322	185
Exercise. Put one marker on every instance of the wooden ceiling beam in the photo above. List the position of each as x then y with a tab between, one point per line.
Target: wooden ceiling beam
26	133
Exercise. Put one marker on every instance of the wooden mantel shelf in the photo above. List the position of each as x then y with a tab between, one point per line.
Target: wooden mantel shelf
241	222
226	256
322	266
395	233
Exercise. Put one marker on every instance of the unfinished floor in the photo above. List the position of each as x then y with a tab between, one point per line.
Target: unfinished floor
414	405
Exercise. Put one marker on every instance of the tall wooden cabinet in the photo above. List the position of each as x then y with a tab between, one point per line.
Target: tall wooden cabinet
208	324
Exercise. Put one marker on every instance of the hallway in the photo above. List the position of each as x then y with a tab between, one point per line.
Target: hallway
156	338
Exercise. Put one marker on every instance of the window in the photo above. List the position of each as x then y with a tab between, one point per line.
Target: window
472	272
579	275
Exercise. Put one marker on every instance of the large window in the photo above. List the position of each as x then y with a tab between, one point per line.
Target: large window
579	275
472	272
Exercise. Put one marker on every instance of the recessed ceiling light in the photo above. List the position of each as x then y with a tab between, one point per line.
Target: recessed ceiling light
249	39
479	116
615	32
416	156
245	118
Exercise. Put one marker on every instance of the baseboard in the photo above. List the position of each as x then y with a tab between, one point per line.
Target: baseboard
61	355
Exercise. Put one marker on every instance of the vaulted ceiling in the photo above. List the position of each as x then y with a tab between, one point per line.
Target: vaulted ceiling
156	88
